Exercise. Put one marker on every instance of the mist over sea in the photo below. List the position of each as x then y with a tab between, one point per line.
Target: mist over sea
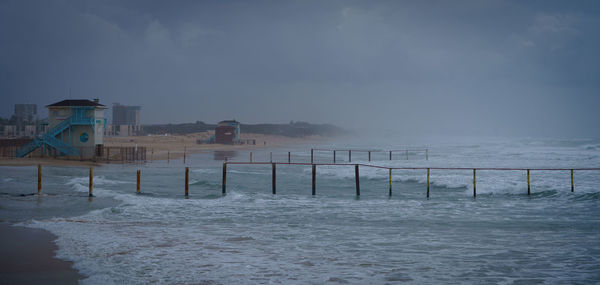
250	236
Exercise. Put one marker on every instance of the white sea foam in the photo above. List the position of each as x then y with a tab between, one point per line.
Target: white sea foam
204	170
502	154
298	239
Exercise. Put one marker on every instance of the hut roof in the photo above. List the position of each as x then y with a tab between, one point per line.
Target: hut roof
76	103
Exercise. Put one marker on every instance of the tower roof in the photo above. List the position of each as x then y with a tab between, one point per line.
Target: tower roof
76	103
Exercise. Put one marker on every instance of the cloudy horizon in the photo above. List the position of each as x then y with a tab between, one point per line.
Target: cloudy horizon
464	67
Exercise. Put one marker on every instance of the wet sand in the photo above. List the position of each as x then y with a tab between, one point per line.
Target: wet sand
27	257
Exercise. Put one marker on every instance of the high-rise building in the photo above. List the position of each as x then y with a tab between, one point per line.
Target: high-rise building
125	120
26	112
26	117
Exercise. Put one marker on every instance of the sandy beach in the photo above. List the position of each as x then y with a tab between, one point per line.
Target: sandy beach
174	146
27	257
170	147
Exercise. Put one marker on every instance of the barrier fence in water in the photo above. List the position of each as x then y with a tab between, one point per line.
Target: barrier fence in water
356	175
428	169
368	151
335	153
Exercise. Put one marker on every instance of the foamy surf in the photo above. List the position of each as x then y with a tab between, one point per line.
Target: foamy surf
251	236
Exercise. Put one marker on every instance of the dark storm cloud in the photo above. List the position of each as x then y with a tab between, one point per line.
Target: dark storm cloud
472	67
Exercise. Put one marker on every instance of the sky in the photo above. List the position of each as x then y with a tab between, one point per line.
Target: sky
472	67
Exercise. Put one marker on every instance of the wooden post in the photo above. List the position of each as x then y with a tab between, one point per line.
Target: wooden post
426	154
314	179
39	179
528	184
369	155
187	182
250	156
572	182
427	183
274	179
289	157
224	178
312	158
474	182
334	156
271	156
349	155
138	181
390	155
91	181
390	182
356	175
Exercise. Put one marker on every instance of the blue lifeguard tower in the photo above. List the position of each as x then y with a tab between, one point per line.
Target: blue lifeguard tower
75	128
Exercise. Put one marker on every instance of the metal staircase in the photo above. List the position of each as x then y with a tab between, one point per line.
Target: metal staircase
49	139
31	146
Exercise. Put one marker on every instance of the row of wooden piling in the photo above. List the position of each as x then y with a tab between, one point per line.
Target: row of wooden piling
406	151
314	175
312	154
91	181
357	175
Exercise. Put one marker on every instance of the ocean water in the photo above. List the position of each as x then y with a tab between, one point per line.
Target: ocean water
250	236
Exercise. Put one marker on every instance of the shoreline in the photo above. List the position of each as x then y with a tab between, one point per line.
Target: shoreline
28	256
174	146
170	147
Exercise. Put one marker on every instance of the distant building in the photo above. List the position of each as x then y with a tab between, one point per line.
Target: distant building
10	131
29	131
26	112
75	128
227	132
125	120
25	115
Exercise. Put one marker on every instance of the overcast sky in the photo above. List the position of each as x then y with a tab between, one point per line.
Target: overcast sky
454	67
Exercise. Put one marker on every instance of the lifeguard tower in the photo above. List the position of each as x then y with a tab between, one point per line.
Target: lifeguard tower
227	132
75	128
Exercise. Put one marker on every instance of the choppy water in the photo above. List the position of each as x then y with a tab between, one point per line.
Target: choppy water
251	236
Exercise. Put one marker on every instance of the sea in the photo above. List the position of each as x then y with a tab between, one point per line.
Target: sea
250	236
